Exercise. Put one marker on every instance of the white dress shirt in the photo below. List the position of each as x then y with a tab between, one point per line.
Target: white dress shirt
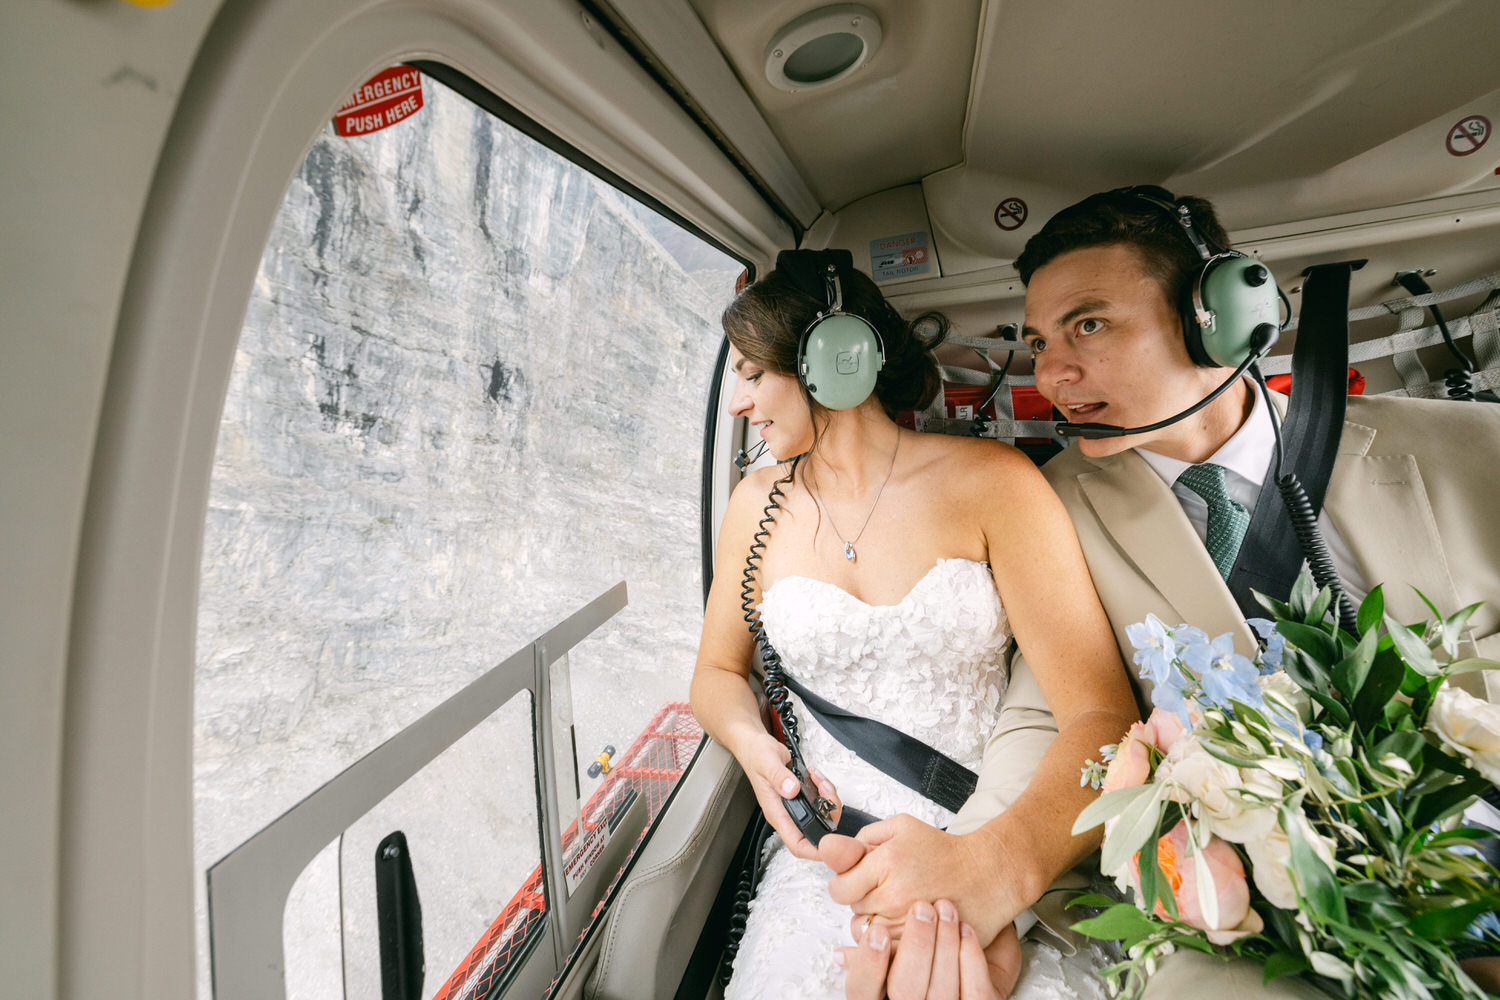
1245	457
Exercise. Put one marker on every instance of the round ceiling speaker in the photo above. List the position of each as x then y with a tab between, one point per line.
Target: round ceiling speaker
822	46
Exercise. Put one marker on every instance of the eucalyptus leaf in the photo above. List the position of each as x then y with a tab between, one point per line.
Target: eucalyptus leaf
1371	610
1208	897
1130	835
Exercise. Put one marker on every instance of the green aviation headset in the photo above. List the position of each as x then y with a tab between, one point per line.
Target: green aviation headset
1230	298
839	354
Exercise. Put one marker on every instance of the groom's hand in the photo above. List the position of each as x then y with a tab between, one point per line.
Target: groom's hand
907	860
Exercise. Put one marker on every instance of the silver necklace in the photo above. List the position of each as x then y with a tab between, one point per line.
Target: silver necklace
849	552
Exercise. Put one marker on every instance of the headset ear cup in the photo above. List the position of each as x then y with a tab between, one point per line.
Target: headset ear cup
1242	296
840	358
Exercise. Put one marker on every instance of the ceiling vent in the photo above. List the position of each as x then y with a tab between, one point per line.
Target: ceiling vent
822	47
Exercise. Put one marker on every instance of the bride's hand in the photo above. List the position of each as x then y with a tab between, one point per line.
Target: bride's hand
765	764
939	959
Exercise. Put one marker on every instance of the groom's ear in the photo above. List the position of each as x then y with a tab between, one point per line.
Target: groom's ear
840	853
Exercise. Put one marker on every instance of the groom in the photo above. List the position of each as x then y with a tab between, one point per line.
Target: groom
1161	515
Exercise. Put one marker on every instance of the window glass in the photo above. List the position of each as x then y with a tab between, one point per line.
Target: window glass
465	401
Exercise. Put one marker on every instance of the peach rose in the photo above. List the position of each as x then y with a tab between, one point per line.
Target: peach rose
1231	892
1132	763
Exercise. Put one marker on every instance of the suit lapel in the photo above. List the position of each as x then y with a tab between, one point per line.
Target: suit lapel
1379	505
1145	520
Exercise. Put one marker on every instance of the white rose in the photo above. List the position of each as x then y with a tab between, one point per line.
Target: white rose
1196	776
1469	725
1271	865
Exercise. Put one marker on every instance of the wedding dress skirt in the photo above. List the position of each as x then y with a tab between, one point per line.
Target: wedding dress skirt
933	666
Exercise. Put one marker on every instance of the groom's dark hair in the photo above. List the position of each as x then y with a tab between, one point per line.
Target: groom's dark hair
1129	216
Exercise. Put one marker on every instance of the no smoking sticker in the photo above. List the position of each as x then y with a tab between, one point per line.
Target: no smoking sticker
1468	135
1010	214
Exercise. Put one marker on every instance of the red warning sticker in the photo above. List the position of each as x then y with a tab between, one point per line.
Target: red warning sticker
381	101
1468	135
1010	214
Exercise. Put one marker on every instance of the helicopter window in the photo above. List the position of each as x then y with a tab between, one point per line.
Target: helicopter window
454	417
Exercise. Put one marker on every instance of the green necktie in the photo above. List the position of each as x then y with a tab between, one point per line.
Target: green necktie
1227	519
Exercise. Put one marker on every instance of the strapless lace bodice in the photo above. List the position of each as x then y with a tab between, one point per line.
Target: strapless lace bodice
933	666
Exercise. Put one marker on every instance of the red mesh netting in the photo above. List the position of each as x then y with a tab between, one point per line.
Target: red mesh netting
650	767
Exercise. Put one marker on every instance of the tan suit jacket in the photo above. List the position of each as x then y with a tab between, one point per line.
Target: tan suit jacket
1415	494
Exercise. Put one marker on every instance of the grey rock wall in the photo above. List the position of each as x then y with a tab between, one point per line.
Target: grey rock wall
468	397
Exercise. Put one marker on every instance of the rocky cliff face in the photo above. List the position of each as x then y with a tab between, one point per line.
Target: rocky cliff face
468	397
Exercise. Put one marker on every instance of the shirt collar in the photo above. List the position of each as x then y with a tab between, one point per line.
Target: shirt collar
1247	453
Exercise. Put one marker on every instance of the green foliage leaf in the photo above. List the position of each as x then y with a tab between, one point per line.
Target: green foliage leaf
1349	673
1318	888
1121	922
1444	802
1283	963
1090	899
1449	922
1315	642
1454	625
1277	609
1302	595
1408	746
1330	704
1109	805
1319	607
1380	685
1371	611
1473	663
1411	647
1135	826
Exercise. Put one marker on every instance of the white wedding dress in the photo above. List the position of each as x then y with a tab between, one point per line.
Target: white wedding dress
932	666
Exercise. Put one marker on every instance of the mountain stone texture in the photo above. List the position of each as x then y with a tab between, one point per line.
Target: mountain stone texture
469	397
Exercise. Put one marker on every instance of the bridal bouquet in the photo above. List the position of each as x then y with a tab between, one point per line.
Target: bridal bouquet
1303	808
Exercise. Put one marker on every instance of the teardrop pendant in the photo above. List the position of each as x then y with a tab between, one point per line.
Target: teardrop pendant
849	551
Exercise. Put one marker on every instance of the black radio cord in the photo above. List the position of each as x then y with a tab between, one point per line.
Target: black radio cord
781	705
1458	381
1305	521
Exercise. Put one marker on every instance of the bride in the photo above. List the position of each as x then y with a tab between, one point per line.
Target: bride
895	569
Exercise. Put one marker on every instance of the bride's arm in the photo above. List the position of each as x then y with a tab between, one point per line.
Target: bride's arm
722	699
996	871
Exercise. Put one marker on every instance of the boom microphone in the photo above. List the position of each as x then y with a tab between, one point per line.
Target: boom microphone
1262	339
744	461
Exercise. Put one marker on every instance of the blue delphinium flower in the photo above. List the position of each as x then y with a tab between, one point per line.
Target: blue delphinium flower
1275	642
1155	649
1167	696
1313	741
1224	674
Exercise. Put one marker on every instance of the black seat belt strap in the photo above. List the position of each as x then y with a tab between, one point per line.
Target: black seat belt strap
1270	556
905	758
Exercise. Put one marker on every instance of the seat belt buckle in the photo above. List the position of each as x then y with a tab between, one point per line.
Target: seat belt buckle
813	813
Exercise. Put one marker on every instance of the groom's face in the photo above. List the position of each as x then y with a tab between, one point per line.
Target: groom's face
1107	348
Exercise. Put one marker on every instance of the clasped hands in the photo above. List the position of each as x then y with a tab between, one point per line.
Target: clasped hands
887	875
